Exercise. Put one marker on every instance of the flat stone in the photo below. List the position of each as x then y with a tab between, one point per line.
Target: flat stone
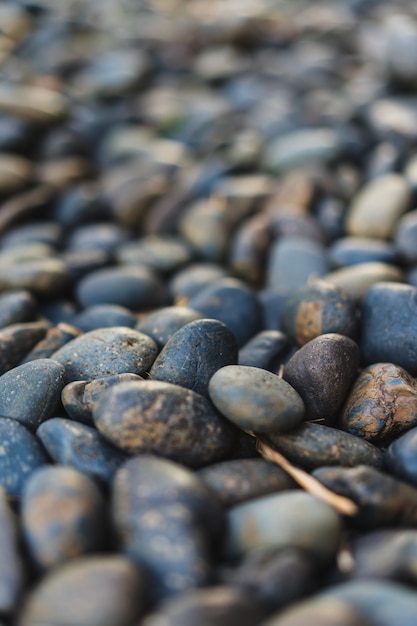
302	147
355	280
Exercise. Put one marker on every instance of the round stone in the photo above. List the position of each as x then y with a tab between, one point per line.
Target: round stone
256	400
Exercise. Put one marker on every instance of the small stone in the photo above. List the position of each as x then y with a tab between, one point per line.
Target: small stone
15	173
382	403
161	253
293	261
322	372
80	446
378	206
206	227
302	147
43	276
194	353
36	104
401	456
317	611
63	516
105	352
313	445
239	480
17	340
406	238
163	323
11	563
355	280
256	400
354	250
17	307
109	590
104	316
189	281
54	339
267	350
293	519
21	455
156	417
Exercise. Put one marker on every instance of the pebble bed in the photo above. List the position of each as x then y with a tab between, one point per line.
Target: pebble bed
208	313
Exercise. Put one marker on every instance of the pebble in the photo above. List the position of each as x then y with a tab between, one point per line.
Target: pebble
187	282
163	254
388	333
256	400
22	454
133	287
230	301
11	564
382	499
163	323
302	147
216	606
294	519
35	104
316	309
168	521
382	403
80	446
17	307
267	350
105	352
378	206
401	456
17	340
405	238
46	277
318	611
55	338
63	516
322	372
354	250
312	445
355	280
15	173
30	393
293	261
194	353
161	418
109	590
80	397
103	316
206	228
240	480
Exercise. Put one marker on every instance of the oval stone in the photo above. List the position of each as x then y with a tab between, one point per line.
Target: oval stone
30	393
63	515
317	611
11	562
355	280
382	403
194	353
294	519
164	419
105	352
401	456
163	323
256	400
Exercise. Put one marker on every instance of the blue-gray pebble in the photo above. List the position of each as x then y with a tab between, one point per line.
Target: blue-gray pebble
256	400
31	392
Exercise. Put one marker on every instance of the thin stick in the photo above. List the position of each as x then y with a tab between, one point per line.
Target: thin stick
309	483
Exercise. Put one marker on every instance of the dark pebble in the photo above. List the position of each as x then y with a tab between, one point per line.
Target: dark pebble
63	516
80	397
80	446
234	304
401	457
267	350
187	282
293	261
11	564
30	393
167	520
216	606
104	316
248	249
240	480
256	400
314	445
105	352
80	263
382	403
17	307
22	455
317	309
101	590
382	499
46	277
98	236
45	232
321	372
162	254
134	287
163	419
164	322
354	250
194	353
17	340
55	338
406	238
389	325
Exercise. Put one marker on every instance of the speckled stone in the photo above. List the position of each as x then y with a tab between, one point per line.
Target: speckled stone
63	516
294	519
80	397
313	445
22	455
11	563
321	372
30	393
80	446
317	309
239	480
389	325
101	590
55	338
256	400
382	403
167	520
378	206
105	352
194	353
164	419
